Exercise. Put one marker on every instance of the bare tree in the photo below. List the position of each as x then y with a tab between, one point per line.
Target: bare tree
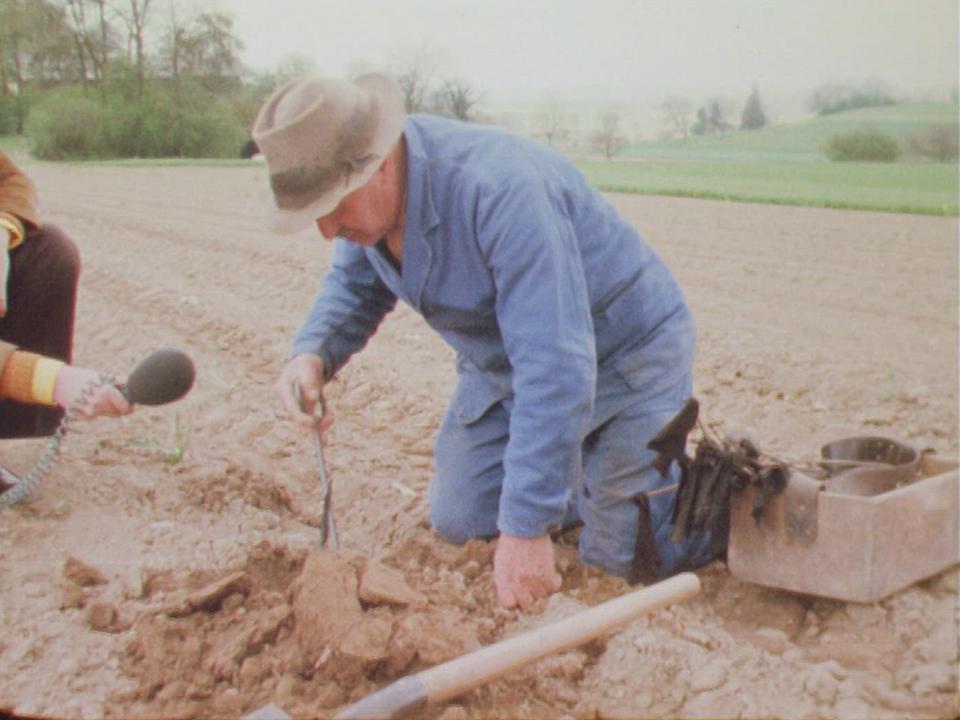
608	139
32	43
134	17
937	142
14	36
551	123
455	99
712	118
414	68
171	62
677	112
203	47
78	32
214	48
51	58
199	51
92	38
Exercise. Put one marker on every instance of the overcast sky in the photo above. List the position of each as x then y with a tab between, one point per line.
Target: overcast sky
531	49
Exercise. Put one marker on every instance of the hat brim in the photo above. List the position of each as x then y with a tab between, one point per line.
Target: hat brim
389	129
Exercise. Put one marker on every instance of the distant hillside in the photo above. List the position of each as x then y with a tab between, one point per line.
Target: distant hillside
800	141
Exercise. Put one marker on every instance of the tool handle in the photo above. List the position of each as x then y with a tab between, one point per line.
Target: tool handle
459	675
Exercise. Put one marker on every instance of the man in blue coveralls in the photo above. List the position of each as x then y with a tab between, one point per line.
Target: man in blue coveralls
574	343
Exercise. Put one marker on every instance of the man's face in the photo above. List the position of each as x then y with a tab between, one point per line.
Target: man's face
364	216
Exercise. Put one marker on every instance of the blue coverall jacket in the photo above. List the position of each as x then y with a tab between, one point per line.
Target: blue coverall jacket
560	315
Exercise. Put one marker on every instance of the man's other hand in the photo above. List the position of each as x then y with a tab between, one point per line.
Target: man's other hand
524	570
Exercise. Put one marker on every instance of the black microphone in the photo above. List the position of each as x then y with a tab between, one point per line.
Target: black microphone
164	376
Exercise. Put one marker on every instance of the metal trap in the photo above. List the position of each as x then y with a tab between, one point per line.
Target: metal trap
883	517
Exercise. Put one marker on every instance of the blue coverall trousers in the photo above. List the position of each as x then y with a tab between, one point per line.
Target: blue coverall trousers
616	467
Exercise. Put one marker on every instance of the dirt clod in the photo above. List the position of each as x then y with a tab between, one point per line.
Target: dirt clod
103	617
383	585
82	574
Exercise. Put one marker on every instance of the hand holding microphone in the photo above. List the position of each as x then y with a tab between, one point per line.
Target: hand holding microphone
166	375
83	389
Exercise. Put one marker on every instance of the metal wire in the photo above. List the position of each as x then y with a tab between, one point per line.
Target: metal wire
29	482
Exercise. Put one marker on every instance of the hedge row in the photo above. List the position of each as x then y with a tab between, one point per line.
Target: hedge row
68	125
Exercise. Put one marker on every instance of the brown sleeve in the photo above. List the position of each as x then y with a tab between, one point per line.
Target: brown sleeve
6	350
17	194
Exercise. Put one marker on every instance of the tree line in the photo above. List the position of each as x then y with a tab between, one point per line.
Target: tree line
141	78
937	142
108	78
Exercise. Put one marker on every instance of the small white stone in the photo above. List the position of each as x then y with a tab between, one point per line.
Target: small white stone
821	684
708	677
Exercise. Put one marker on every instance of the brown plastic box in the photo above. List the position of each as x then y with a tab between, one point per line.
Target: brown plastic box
860	548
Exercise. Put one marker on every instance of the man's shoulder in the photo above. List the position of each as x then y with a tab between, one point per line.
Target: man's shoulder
485	152
440	135
438	125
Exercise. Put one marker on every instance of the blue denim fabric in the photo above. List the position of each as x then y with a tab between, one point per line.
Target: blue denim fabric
549	298
616	466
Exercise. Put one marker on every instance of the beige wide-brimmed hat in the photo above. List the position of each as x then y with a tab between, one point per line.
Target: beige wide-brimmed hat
323	138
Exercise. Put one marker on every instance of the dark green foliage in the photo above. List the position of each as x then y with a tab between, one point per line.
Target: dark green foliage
753	117
832	98
64	126
163	123
245	102
98	94
711	119
454	99
937	142
13	113
865	145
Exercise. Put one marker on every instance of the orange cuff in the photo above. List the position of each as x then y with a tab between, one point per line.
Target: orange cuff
29	378
45	374
13	224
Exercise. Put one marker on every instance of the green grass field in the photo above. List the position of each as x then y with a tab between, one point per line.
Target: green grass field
785	165
928	189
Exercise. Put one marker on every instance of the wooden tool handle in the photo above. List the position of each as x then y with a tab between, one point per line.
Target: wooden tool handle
459	675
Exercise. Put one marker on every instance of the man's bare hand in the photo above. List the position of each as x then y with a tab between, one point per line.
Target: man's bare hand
103	399
524	570
303	375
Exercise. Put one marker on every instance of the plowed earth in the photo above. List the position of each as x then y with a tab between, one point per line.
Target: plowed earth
143	583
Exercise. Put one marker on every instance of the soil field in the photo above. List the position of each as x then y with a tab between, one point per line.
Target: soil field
144	584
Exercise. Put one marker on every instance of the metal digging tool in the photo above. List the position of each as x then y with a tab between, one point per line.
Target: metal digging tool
457	676
328	529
